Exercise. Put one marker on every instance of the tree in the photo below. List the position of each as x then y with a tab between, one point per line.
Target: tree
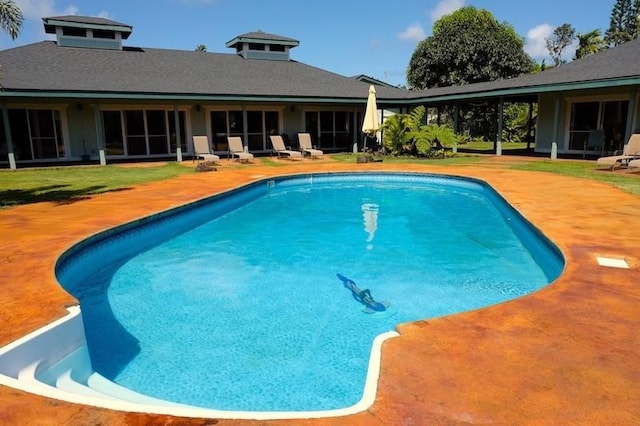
395	134
436	138
516	122
10	18
624	21
407	134
201	48
562	37
589	43
467	46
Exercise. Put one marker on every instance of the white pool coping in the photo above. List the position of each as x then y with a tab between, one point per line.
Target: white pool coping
26	353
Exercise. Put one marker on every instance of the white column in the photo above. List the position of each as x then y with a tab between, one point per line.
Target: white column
7	136
99	133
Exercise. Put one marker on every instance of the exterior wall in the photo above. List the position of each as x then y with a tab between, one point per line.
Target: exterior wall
293	123
80	133
266	55
81	138
198	116
545	133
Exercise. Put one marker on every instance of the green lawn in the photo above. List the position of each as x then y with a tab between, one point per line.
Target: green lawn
629	182
486	147
458	159
71	183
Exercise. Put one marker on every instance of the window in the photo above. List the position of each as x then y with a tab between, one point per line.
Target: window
157	132
272	122
219	130
113	135
4	146
256	46
111	35
277	48
20	136
143	132
134	128
333	126
236	123
255	132
74	32
36	134
260	124
609	116
181	130
341	123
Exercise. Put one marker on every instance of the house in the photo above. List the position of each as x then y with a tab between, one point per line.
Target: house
88	97
598	92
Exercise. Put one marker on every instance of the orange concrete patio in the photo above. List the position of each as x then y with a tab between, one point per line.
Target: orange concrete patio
567	354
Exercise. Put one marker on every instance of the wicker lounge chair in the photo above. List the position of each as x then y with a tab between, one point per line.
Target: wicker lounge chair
236	149
202	151
305	146
281	150
630	152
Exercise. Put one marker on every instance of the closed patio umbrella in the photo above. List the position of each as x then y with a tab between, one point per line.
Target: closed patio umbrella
371	124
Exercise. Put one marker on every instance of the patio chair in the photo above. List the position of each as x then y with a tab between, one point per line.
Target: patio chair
305	146
236	149
594	142
634	165
202	152
281	150
630	152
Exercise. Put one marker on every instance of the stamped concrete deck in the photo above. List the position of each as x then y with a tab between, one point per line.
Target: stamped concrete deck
567	354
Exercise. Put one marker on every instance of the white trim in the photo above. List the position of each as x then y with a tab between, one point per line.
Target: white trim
23	356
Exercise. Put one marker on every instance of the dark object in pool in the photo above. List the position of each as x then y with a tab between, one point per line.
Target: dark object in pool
363	296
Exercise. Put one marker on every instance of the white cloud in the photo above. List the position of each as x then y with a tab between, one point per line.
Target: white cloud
536	39
104	14
536	43
445	7
413	32
38	9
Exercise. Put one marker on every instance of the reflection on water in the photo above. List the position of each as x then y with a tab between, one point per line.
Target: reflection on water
370	216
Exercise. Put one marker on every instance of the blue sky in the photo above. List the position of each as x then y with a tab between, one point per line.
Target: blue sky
349	37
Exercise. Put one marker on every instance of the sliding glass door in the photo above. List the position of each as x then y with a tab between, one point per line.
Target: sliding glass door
610	117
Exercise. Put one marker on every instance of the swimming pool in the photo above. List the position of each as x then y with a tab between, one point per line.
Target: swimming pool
251	298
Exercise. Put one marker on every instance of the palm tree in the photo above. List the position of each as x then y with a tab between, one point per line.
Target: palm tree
589	43
10	18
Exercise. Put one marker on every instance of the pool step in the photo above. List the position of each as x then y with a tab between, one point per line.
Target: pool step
74	374
77	362
65	382
54	362
105	386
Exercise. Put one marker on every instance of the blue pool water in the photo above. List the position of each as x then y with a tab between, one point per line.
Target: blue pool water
234	303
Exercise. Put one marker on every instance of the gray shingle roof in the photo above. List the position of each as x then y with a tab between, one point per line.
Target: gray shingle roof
46	67
51	23
94	20
260	35
608	66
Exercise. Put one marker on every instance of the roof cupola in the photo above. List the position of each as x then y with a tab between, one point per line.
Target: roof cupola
260	45
87	32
